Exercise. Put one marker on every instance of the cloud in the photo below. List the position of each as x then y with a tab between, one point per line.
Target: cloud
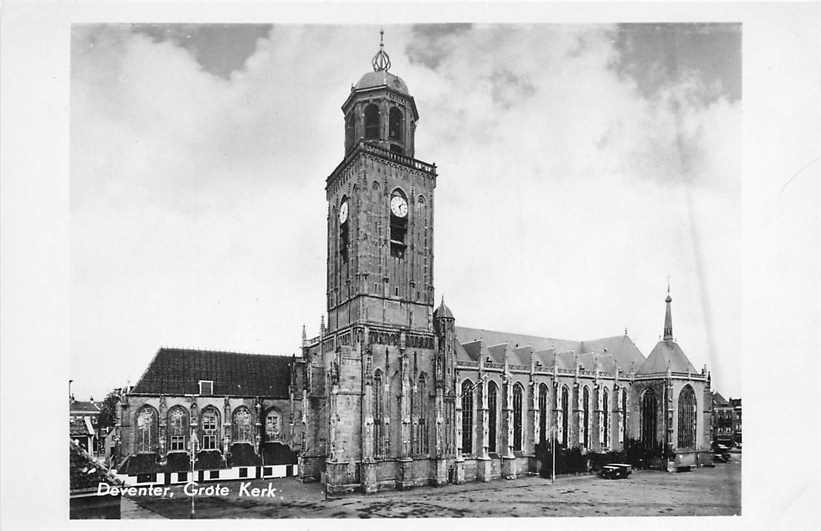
566	193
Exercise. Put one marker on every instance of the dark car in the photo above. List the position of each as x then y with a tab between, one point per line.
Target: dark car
615	471
721	452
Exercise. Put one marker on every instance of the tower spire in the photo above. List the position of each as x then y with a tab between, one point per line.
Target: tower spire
668	316
381	61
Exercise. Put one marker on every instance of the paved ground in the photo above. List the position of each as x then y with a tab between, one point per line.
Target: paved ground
705	491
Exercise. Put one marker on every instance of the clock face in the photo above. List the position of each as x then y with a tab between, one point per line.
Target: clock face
343	212
399	207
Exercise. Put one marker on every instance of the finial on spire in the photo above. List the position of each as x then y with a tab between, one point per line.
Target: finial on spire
381	61
668	316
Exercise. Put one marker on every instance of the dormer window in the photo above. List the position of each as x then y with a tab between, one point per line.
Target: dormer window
206	387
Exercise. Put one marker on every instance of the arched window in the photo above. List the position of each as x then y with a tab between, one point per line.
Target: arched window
565	402
349	131
378	412
343	214
649	411
177	429
543	412
399	222
467	417
606	419
586	415
395	124
517	417
242	425
273	426
209	429
396	415
371	122
492	393
687	418
147	432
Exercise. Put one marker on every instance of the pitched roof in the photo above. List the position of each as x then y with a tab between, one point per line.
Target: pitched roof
80	406
664	353
178	372
621	347
719	400
79	427
492	337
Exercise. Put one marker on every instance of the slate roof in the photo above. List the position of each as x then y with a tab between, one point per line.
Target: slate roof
663	353
613	351
178	372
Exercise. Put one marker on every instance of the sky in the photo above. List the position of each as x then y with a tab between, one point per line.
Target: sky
580	168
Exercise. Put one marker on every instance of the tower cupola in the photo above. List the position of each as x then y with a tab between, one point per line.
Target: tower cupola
380	109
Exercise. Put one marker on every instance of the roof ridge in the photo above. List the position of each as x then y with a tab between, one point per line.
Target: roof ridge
212	351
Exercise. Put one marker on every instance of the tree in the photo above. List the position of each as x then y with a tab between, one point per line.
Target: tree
108	410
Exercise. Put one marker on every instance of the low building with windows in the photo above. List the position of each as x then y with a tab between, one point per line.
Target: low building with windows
722	420
235	410
83	418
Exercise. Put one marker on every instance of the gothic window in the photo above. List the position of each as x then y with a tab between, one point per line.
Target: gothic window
209	428
649	412
371	122
177	429
565	404
586	415
396	415
542	413
398	223
420	403
147	430
606	419
378	412
242	425
273	426
395	124
467	417
687	418
517	417
492	393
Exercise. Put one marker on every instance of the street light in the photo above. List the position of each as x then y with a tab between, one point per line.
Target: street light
194	444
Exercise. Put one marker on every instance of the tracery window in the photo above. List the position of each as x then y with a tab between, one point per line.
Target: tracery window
209	427
606	419
586	415
517	417
177	428
371	122
565	403
687	418
147	430
492	393
467	417
649	412
273	426
243	427
543	412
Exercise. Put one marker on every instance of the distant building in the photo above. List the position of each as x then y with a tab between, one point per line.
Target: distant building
83	422
722	420
736	403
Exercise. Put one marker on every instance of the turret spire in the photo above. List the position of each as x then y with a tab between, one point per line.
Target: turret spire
381	61
668	316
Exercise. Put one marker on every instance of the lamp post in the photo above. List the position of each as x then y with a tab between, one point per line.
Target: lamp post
69	389
553	454
194	444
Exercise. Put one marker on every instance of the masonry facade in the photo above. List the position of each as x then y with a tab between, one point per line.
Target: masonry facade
392	393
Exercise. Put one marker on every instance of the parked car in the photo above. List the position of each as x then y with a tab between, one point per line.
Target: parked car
721	452
615	471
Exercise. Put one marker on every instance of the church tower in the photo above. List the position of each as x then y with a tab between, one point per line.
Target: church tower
380	211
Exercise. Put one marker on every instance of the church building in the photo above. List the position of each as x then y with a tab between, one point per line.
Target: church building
392	393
